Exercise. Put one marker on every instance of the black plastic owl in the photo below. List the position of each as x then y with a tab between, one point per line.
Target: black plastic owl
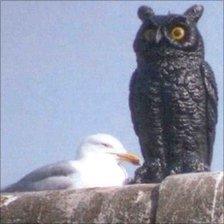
173	96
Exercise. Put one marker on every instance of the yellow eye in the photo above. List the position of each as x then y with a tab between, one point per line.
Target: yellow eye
177	33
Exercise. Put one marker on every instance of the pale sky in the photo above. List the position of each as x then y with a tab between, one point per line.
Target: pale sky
65	72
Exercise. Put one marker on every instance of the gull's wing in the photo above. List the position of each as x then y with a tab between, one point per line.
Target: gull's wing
60	175
63	168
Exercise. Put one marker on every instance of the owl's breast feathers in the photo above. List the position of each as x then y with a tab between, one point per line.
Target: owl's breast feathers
182	92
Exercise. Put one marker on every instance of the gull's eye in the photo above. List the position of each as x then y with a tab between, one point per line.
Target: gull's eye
107	145
149	34
177	33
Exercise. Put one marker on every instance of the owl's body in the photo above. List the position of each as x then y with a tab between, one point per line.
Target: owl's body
173	97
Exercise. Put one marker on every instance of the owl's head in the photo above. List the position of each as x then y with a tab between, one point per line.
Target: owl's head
170	34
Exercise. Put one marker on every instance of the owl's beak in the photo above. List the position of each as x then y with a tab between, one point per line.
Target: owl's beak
158	35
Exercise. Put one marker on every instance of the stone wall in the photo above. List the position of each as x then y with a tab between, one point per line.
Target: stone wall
186	198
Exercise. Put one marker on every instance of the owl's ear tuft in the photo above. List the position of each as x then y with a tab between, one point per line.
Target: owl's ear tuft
145	12
194	13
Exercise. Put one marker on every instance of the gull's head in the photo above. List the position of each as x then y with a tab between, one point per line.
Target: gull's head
104	146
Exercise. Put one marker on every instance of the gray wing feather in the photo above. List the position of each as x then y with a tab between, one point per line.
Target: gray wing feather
57	169
54	176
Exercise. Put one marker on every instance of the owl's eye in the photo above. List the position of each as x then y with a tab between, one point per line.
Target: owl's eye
149	34
177	33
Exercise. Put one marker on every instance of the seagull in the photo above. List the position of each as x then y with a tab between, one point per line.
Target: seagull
99	164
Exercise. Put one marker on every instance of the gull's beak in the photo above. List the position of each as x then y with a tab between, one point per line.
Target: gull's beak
128	157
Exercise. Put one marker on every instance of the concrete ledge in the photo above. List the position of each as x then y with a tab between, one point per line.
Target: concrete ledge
187	198
191	198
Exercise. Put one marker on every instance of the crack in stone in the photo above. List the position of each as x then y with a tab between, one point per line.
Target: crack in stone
218	180
7	199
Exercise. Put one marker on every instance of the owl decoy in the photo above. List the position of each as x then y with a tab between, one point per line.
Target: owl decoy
173	96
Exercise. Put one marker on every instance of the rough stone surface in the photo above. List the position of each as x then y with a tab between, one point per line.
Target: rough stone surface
186	198
191	198
129	204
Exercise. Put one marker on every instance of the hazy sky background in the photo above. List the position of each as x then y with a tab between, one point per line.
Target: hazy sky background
66	68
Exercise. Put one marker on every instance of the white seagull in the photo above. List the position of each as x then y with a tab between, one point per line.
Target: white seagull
98	164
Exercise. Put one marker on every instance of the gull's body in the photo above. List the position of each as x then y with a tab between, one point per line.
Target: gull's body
97	165
102	174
